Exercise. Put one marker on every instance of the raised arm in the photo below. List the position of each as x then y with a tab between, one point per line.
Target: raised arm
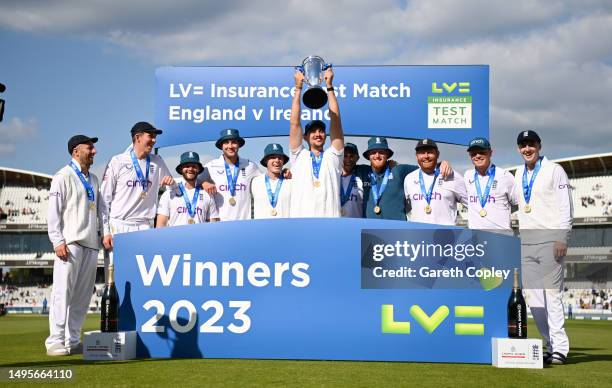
295	125
335	132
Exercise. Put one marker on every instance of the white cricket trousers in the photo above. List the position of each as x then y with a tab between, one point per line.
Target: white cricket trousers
73	284
543	285
119	226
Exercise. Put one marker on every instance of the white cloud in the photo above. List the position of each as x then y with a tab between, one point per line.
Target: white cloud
15	131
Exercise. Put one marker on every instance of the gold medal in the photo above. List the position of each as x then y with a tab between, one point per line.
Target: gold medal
342	212
527	208
483	212
143	195
191	221
427	209
232	201
317	183
273	212
377	209
92	205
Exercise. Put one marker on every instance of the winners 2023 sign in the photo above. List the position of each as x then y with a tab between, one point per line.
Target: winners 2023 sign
329	289
446	103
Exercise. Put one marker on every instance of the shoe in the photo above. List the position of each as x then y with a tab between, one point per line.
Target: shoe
546	356
76	349
556	359
57	350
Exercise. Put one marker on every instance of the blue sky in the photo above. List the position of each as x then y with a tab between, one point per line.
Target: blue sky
90	67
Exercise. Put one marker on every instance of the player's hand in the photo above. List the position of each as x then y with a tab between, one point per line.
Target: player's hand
210	188
107	241
559	249
62	252
329	77
446	170
167	181
299	78
392	163
286	173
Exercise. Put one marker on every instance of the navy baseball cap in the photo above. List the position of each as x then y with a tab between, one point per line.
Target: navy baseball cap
314	124
143	126
351	148
426	143
479	142
79	139
528	135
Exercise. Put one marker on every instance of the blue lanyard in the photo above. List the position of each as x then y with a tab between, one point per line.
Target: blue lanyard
485	197
345	195
376	191
88	188
428	193
273	197
191	206
528	187
316	163
232	179
144	180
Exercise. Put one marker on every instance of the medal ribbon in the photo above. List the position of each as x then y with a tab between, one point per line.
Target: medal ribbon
316	163
232	179
428	193
345	195
273	197
144	180
191	206
483	198
376	191
88	188
527	187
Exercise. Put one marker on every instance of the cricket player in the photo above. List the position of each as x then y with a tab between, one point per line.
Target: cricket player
545	220
130	186
190	205
228	178
490	189
351	185
315	190
432	197
271	191
74	229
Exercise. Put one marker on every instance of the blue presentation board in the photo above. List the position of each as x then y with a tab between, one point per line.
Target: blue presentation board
328	289
446	103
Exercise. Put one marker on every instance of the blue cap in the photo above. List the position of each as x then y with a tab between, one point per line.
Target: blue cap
527	135
314	124
479	142
229	134
377	143
189	157
273	149
351	148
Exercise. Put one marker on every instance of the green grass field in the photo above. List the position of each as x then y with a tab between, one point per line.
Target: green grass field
22	338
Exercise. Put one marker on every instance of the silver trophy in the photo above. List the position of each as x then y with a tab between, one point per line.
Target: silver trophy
313	68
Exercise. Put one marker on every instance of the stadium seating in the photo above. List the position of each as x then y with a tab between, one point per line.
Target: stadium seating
24	205
592	196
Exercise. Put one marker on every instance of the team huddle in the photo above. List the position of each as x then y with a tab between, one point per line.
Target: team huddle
85	214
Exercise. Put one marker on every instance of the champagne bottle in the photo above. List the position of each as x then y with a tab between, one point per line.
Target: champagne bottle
110	304
517	311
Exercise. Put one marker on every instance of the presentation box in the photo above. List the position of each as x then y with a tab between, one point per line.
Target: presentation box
517	353
109	346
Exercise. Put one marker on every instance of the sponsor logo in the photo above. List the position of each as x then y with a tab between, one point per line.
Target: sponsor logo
450	106
430	322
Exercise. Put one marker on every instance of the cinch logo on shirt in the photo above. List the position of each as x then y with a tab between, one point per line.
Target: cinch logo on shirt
565	186
475	199
420	197
136	183
239	187
183	209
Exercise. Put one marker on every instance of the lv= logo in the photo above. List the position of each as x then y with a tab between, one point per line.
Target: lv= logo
431	322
